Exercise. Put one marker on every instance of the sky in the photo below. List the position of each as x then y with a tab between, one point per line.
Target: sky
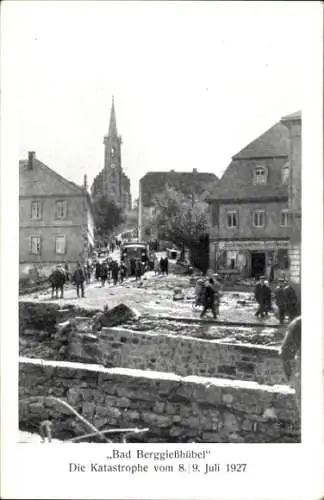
193	82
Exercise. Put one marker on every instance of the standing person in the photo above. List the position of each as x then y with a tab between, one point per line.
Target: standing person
162	266
261	297
98	271
166	265
67	272
280	297
138	269
290	352
57	280
209	299
88	270
114	272
267	298
292	307
123	271
104	273
78	279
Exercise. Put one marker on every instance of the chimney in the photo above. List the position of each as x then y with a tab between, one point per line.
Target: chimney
31	160
85	182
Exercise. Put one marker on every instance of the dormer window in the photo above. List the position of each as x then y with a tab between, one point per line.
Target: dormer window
285	174
260	175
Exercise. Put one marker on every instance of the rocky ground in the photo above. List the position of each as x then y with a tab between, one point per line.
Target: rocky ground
153	296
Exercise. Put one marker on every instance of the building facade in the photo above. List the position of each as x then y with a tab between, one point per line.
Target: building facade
112	182
250	219
154	183
55	219
294	124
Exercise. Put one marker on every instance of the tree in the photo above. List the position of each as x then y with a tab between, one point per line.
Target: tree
179	218
107	217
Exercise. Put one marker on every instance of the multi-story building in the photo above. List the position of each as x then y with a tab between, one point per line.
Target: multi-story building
250	219
153	183
112	182
55	218
294	124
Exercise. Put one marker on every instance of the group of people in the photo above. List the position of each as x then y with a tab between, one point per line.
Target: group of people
285	298
61	275
110	270
162	266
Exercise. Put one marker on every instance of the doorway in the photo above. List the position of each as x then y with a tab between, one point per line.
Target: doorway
257	264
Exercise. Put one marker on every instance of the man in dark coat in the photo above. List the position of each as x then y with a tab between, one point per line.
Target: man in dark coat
57	280
104	273
98	271
123	271
290	352
166	265
280	297
162	266
292	306
138	269
209	299
78	279
114	272
261	294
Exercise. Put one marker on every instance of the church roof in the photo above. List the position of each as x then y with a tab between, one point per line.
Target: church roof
273	143
112	124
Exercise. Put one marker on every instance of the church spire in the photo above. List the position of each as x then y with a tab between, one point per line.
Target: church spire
112	125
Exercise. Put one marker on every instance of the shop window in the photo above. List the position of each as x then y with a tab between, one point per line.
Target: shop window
260	175
232	218
231	260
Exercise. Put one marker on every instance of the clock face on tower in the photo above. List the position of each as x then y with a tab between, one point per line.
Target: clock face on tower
112	165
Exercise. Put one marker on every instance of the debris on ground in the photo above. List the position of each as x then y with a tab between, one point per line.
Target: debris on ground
114	317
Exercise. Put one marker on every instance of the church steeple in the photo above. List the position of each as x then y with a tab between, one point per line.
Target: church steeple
112	124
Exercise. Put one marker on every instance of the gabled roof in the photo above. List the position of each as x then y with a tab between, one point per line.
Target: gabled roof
293	116
48	184
237	182
154	183
273	143
272	149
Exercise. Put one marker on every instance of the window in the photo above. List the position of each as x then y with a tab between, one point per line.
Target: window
60	244
232	218
36	209
60	209
258	218
35	245
285	174
260	175
284	218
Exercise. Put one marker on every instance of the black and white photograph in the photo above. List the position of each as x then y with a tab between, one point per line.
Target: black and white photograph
160	187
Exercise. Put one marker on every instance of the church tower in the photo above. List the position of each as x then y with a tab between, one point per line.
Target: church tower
112	182
112	164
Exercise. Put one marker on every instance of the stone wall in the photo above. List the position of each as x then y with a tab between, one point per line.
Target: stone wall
182	355
175	409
